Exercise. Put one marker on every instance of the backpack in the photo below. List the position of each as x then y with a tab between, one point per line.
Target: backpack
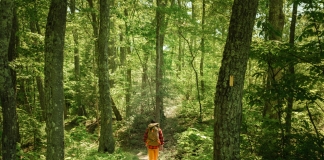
153	135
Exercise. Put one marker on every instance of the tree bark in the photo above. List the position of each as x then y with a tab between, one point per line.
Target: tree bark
10	135
95	28
160	28
34	28
202	46
124	51
54	94
41	96
228	99
291	71
115	110
81	108
276	21
106	139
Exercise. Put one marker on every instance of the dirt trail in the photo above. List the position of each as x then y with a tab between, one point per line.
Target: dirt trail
142	156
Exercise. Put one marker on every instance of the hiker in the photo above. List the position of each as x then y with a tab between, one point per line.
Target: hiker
153	139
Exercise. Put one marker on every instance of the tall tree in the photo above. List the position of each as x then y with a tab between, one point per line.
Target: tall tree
81	108
10	135
112	54
106	140
34	28
276	23
229	88
160	28
202	46
124	52
95	29
54	94
291	71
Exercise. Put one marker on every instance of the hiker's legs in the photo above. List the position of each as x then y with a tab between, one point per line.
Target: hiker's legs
156	154
153	154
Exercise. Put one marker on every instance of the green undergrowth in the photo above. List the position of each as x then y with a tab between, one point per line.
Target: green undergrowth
183	140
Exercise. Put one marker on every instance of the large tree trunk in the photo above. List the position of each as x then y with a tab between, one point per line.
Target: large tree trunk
10	135
106	140
228	97
54	94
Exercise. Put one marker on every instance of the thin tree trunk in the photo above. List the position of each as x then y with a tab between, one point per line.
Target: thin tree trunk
128	92
81	108
95	28
144	82
34	28
112	55
228	97
291	71
115	110
22	97
124	51
319	137
122	58
10	130
54	94
106	139
41	96
202	82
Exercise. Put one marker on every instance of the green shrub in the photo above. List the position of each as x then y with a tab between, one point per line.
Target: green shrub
194	144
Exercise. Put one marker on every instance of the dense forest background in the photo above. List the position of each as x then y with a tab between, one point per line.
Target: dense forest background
161	60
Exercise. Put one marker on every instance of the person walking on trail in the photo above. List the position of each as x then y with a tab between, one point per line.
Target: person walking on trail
153	139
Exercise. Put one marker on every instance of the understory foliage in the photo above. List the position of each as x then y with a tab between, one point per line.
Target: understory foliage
79	143
194	144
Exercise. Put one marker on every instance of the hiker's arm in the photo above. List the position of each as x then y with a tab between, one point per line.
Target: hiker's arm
161	136
145	136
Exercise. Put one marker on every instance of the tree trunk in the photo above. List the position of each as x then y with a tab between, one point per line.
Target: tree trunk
10	130
54	94
41	96
276	21
112	55
124	51
160	28
228	97
22	97
291	71
39	81
106	139
115	110
95	28
202	45
128	92
81	108
145	82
